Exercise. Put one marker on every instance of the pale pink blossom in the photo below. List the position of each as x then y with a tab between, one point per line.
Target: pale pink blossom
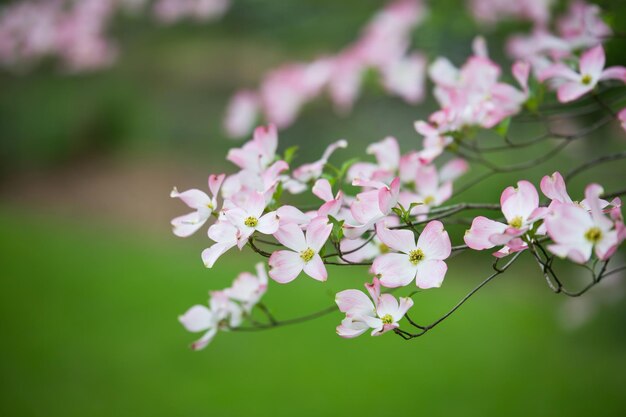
520	207
221	313
371	206
381	315
332	204
257	154
203	205
591	71
582	26
406	78
247	289
388	158
248	217
493	11
303	253
241	114
622	118
422	261
577	232
225	235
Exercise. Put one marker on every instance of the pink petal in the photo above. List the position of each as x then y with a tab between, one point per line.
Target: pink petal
204	340
197	318
394	270
553	187
577	253
268	223
430	274
570	91
387	153
568	223
558	71
592	62
317	233
405	304
291	236
388	197
521	71
477	237
400	240
365	207
210	255
355	301
614	73
193	198
607	246
350	328
323	190
266	138
453	170
285	266
290	214
592	199
434	241
520	201
215	183
387	304
184	226
374	289
315	268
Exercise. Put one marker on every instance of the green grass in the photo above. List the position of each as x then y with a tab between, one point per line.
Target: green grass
89	329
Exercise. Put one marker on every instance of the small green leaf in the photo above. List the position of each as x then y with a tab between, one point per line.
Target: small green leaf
503	127
290	154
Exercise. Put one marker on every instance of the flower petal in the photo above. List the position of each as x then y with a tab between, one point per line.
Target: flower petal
268	223
354	301
434	241
315	268
430	274
285	266
197	318
592	62
477	237
400	240
394	270
317	233
291	236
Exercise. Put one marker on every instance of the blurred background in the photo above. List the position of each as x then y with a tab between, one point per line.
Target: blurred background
93	279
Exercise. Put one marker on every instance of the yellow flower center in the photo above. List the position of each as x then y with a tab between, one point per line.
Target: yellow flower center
415	256
251	221
516	222
593	235
387	319
307	254
210	206
383	248
586	80
429	199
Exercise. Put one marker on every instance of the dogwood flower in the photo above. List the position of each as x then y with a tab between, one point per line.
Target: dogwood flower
578	232
248	218
222	313
225	235
576	84
247	289
362	314
257	154
204	205
520	207
332	204
286	265
421	261
371	206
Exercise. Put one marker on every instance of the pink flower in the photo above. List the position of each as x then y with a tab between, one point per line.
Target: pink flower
313	171
286	265
248	217
222	312
333	204
520	207
257	154
422	261
388	160
371	206
361	314
241	114
583	26
577	232
204	205
247	289
575	85
225	235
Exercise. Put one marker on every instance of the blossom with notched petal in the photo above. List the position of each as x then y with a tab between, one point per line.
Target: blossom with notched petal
576	84
248	217
578	232
204	205
361	314
421	261
303	253
520	207
221	313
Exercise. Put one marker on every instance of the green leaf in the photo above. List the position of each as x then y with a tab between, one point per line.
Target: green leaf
290	154
503	127
337	232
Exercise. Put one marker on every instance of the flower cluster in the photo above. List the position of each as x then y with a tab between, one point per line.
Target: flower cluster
75	31
226	307
383	46
576	228
388	213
